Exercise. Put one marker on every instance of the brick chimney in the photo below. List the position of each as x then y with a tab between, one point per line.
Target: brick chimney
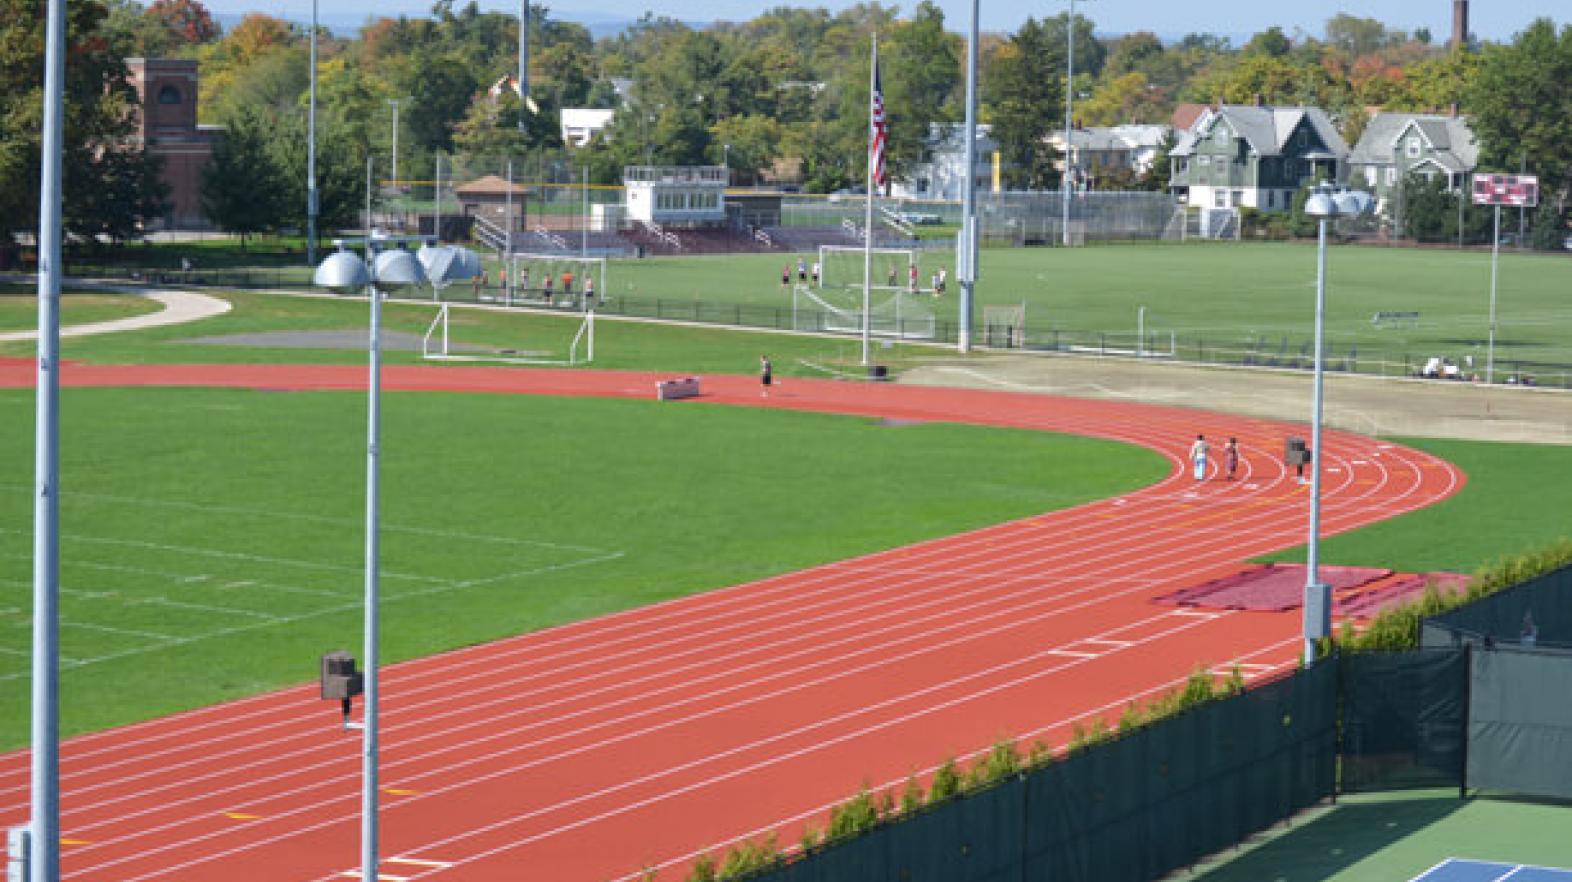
1459	24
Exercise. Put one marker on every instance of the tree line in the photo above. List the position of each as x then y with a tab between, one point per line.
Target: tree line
785	93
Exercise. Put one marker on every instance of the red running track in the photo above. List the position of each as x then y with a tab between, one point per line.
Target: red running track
592	750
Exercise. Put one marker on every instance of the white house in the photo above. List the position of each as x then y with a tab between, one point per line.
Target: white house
682	196
1103	149
580	124
943	175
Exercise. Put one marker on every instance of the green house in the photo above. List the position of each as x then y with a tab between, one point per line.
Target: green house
1255	156
1395	145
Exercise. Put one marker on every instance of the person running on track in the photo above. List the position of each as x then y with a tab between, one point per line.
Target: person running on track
1231	457
766	376
1198	457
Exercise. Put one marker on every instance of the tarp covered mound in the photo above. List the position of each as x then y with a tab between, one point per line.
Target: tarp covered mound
1356	591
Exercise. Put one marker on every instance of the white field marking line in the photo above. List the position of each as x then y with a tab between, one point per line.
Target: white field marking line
322	519
602	725
1073	654
109	629
225	555
816	746
775	825
283	620
798	623
768	761
184	577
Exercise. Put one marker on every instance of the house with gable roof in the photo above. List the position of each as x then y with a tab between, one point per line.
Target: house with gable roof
1255	156
1395	145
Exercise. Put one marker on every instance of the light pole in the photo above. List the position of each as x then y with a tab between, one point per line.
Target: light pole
43	836
1069	119
966	244
345	271
311	150
726	161
1325	204
524	99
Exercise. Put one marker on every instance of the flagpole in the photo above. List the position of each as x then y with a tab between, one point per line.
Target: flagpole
867	232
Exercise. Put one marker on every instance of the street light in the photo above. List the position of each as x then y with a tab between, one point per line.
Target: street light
1325	204
345	272
1069	119
726	161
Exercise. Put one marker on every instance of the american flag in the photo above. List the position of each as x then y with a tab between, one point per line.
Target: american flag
876	147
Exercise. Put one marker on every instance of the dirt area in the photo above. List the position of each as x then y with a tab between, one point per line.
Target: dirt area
1368	405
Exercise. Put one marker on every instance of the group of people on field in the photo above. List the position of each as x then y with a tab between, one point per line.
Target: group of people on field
937	283
547	289
1199	451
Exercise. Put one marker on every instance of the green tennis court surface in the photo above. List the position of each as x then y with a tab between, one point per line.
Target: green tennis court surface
1455	870
1403	836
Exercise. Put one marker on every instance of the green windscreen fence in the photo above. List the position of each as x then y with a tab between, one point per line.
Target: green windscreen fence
1520	722
1128	810
1546	601
1403	719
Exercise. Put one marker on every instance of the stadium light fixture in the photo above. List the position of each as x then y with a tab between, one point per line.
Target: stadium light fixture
1325	204
386	271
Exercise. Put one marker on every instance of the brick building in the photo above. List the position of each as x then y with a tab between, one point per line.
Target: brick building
167	127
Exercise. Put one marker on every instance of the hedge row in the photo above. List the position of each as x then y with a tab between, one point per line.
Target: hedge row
1397	627
867	810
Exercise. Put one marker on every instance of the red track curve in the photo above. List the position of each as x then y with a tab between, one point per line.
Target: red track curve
590	750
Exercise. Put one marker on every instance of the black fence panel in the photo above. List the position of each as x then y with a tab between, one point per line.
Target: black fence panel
1520	721
1539	609
1403	719
1127	810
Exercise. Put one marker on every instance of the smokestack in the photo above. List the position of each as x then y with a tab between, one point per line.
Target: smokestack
1459	24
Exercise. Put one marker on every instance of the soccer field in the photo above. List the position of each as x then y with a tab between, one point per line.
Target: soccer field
1214	298
211	540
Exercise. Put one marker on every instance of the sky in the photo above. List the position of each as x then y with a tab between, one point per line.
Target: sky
1489	19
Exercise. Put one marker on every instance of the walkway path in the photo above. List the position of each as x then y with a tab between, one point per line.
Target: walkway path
179	307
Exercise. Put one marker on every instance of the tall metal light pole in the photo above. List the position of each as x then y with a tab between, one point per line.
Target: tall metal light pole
395	103
966	245
1069	119
344	271
44	830
523	61
1326	205
311	150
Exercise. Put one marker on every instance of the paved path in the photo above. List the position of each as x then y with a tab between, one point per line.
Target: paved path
179	307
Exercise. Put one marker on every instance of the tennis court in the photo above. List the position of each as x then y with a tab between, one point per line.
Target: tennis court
1458	870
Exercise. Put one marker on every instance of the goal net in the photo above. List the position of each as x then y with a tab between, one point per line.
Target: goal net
1004	327
555	349
556	280
835	302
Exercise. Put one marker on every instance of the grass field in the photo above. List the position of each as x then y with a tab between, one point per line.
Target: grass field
1215	296
1484	522
211	539
19	308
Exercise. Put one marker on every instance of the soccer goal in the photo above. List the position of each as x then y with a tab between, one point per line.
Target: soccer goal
438	345
835	303
556	280
1004	327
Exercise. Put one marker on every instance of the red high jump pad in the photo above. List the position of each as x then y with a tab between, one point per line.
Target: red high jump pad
1356	591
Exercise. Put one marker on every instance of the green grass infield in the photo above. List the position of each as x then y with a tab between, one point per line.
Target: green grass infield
211	540
19	308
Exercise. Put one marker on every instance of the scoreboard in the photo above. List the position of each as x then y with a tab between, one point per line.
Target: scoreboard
1513	190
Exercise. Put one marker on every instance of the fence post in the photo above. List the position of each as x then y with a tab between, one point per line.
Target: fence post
1468	678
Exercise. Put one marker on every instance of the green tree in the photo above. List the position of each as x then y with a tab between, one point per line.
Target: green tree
1025	94
243	190
110	184
922	73
1521	103
1271	42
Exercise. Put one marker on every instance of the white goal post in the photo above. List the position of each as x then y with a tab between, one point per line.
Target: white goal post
898	307
558	280
438	345
841	266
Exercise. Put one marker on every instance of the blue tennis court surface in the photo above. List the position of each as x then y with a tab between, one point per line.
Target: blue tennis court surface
1455	870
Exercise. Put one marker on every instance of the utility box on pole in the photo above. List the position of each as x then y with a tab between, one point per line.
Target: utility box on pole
340	680
18	851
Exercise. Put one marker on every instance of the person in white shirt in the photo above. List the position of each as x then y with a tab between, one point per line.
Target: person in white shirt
1198	457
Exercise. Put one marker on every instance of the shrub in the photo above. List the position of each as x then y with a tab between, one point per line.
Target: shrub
854	816
911	797
946	782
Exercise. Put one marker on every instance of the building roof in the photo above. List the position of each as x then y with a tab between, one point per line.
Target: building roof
489	185
1185	116
1104	138
586	117
1456	148
1266	129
